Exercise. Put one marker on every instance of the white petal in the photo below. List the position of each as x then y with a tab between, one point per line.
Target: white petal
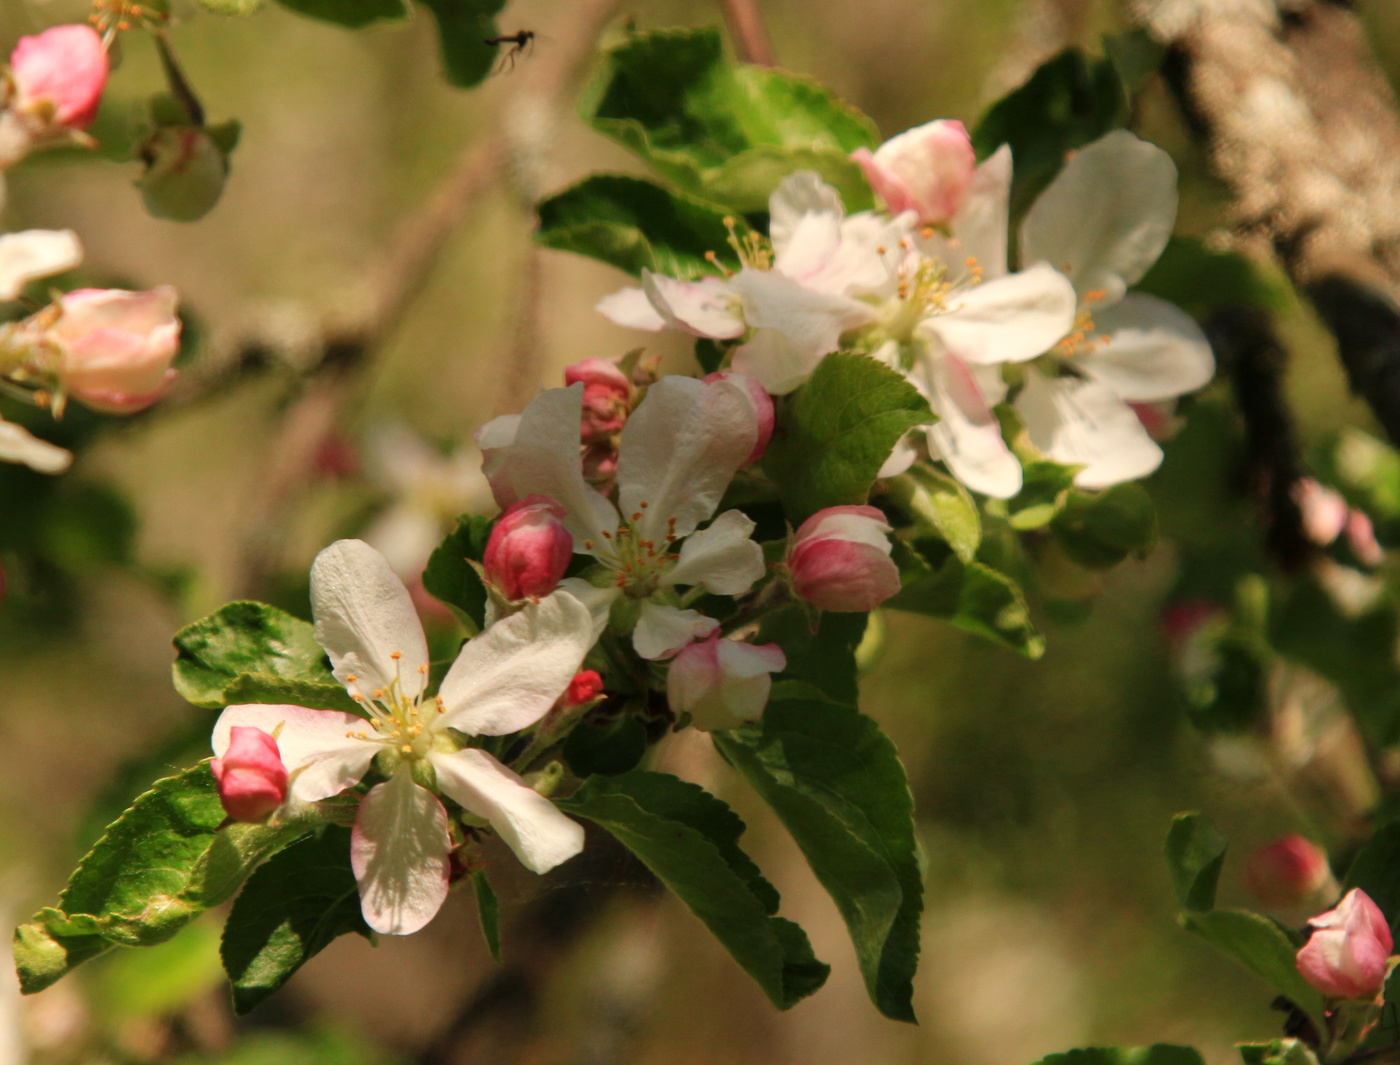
1010	319
364	616
775	362
721	558
321	759
678	453
33	254
847	523
967	435
530	824
18	444
632	308
663	630
706	308
398	851
1107	216
798	198
981	223
812	321
901	458
544	459
1154	350
1082	423
508	677
599	601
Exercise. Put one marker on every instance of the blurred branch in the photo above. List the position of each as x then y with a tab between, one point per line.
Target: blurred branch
1300	122
746	30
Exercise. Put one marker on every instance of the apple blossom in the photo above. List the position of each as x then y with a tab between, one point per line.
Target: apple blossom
529	549
1104	221
678	453
504	680
59	75
18	444
924	170
1347	949
840	560
722	683
1287	872
252	779
117	346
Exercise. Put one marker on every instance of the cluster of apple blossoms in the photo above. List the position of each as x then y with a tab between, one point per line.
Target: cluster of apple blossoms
108	349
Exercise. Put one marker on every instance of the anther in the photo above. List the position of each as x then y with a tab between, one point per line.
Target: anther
644	504
395	655
607	535
406	748
926	232
422	670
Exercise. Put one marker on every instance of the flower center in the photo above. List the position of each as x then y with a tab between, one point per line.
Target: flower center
1084	338
638	564
404	724
924	287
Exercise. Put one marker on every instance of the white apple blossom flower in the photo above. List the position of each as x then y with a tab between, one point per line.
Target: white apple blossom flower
678	452
886	286
1104	221
504	680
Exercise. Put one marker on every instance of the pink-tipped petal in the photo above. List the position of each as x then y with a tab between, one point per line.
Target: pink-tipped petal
399	850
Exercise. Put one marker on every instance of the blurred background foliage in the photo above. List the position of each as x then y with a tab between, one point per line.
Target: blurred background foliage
1043	788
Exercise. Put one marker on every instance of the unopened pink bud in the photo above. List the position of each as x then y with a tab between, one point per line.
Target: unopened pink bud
252	779
529	549
586	686
840	560
118	346
1287	872
1324	511
607	396
925	170
759	400
1361	538
65	69
1346	954
722	683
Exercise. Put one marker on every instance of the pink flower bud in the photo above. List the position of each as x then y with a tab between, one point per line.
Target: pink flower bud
722	683
64	68
607	397
840	560
252	779
1287	872
529	549
1324	511
118	346
584	688
925	170
761	402
1361	538
1346	954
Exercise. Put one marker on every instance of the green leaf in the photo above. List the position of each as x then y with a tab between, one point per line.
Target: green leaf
835	432
1376	871
488	910
1263	948
728	131
835	781
450	578
1157	1054
291	909
972	597
635	224
689	839
464	26
1195	854
159	866
1101	529
825	659
254	653
351	13
1069	101
940	506
608	747
231	7
1200	280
